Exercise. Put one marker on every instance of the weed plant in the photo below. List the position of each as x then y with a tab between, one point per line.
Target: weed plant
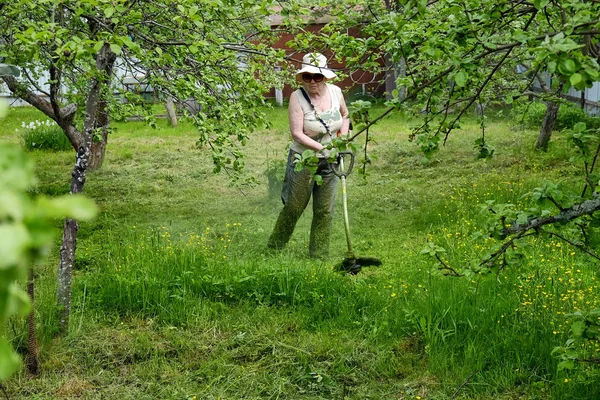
176	296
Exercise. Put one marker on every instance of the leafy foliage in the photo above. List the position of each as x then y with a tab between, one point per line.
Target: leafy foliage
581	348
26	231
309	159
460	53
215	53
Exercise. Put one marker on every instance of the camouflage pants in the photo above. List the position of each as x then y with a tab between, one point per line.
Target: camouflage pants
297	189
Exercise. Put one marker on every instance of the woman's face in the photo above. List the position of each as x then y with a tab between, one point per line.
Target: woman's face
313	83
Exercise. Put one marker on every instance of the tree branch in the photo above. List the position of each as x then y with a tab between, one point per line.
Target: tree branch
66	114
579	246
491	259
588	207
588	173
21	91
54	88
445	267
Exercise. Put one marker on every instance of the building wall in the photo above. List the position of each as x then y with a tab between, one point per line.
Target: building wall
592	95
592	98
357	81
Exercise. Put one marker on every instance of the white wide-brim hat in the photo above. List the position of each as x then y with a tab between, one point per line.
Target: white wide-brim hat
315	63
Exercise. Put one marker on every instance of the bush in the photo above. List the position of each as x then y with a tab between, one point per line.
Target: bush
530	115
44	135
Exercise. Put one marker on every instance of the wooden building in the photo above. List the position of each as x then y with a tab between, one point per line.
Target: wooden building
358	82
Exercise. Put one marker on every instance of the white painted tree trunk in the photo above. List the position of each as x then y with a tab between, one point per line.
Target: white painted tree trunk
171	115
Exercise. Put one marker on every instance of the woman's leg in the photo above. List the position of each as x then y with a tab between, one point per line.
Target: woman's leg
297	187
323	206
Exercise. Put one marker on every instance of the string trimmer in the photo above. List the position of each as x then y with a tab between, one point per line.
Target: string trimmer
351	263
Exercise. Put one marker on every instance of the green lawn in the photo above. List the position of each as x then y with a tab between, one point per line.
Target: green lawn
176	296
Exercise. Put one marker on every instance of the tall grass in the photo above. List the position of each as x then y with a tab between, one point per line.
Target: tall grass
44	135
497	330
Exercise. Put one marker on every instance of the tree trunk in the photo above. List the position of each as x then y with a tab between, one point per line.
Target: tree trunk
401	72
171	115
100	140
65	272
32	360
104	63
393	71
97	151
547	125
390	77
550	117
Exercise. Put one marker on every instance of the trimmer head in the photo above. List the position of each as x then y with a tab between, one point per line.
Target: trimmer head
353	265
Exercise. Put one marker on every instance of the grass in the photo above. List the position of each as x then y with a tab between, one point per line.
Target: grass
44	135
175	296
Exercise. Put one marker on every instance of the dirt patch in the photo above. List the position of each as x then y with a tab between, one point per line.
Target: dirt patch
74	388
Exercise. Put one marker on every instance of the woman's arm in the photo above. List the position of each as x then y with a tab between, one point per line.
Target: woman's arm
345	116
296	116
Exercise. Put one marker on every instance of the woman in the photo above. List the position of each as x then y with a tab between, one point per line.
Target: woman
317	114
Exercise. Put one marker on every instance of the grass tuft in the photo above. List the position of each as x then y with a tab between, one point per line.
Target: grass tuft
44	135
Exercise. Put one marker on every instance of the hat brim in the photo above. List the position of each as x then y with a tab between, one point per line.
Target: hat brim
311	69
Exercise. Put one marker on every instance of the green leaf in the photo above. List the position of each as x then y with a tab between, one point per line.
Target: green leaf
575	79
566	364
578	328
116	49
580	127
11	205
9	360
461	78
567	66
15	241
72	206
539	4
108	12
18	303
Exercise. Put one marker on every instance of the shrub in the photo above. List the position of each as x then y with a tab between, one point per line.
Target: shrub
530	115
44	135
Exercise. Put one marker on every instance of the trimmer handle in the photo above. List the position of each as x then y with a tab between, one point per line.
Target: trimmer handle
338	168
